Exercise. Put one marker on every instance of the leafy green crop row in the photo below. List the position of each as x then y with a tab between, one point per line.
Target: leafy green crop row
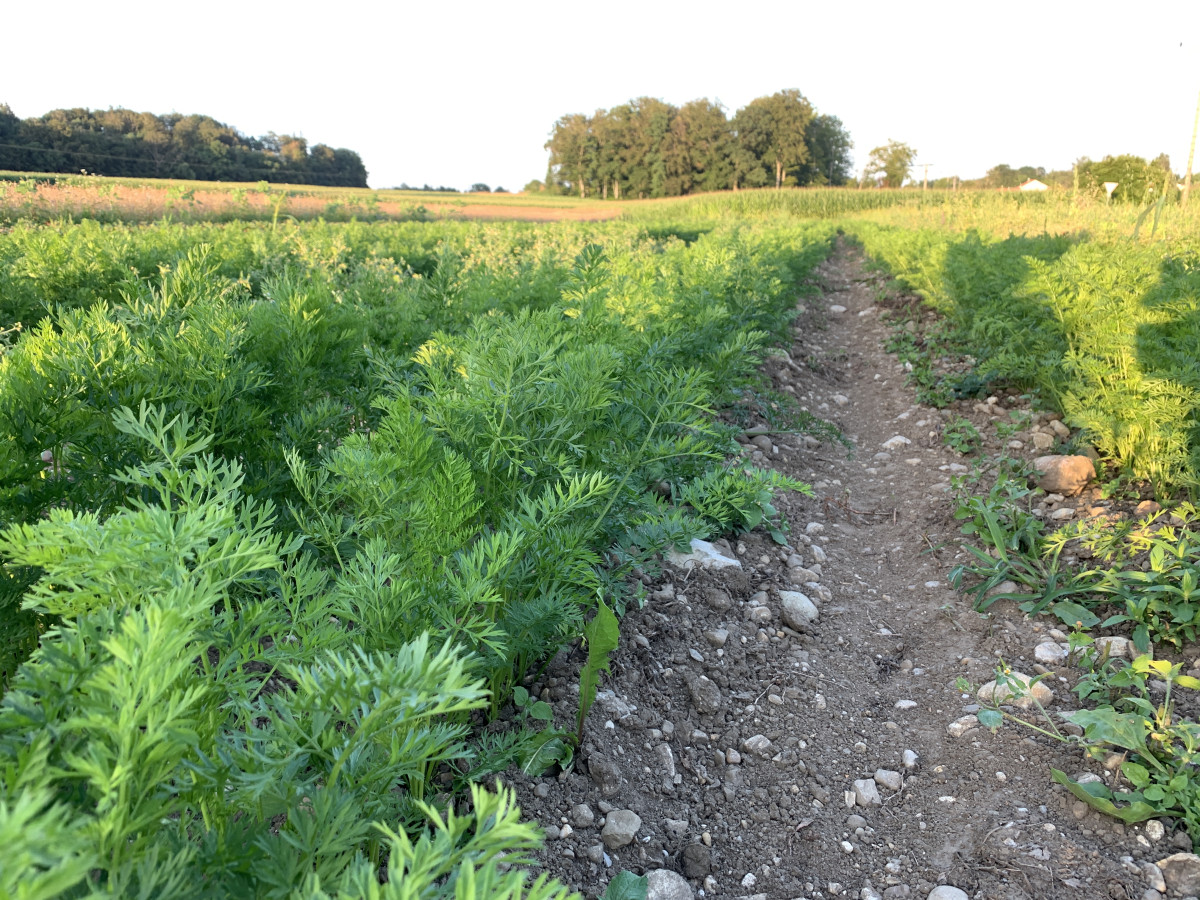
242	489
1106	332
810	203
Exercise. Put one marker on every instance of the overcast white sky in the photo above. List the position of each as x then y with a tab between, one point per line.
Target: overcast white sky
461	92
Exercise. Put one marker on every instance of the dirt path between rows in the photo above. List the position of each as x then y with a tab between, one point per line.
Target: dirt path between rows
736	739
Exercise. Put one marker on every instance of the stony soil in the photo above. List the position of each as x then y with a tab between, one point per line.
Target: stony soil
785	759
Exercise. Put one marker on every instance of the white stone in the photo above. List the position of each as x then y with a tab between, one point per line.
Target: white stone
946	892
717	637
909	758
801	575
1117	647
614	706
906	704
663	884
758	745
797	611
961	726
759	615
1154	877
895	443
620	827
889	779
703	556
866	793
1050	653
1004	587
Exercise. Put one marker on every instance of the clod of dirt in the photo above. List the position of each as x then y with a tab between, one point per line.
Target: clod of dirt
706	696
606	774
697	860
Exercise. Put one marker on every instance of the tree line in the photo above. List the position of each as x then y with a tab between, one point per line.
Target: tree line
124	143
650	148
1138	180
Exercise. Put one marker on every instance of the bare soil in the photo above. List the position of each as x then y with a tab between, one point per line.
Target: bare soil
873	677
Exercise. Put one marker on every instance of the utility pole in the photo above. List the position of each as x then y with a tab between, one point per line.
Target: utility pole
1187	179
925	178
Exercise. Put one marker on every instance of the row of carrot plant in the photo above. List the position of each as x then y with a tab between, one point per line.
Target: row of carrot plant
246	472
1105	331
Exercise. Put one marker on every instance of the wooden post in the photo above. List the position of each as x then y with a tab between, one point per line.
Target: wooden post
1187	179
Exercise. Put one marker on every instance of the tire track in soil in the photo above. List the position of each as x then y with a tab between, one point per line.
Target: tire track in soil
700	679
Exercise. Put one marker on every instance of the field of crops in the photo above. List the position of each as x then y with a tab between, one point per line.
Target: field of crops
1106	331
248	470
32	197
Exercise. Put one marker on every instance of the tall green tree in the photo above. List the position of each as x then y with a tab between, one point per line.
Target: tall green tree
1138	181
829	145
572	151
710	137
651	121
773	128
614	140
893	161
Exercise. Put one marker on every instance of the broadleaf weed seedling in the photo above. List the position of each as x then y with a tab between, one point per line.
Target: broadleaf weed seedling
961	436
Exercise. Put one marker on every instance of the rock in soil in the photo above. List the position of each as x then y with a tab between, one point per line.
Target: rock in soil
703	555
1066	475
663	884
945	892
1181	872
620	828
796	610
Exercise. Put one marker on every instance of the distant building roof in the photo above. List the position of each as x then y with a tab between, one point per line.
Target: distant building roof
1033	185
